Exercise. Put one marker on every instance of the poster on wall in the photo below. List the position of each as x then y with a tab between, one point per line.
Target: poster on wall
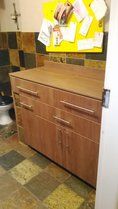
73	26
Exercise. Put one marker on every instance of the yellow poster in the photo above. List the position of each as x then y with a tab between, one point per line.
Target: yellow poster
80	38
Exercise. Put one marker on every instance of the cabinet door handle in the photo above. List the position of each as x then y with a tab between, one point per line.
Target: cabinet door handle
59	141
62	121
29	107
33	93
78	108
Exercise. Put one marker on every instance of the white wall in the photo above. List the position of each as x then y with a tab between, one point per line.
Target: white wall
31	15
6	9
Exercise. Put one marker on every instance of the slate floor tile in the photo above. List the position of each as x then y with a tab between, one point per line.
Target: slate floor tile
2	171
10	159
42	185
40	160
8	185
24	150
78	186
63	198
90	202
22	199
55	171
25	171
4	148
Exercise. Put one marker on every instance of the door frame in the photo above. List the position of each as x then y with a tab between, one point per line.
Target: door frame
107	181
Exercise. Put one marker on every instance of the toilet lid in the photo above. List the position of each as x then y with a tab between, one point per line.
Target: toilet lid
5	100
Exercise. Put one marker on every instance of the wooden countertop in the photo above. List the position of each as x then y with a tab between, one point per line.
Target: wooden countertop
76	79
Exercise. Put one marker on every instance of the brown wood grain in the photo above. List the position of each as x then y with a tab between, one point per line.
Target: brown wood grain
74	79
61	114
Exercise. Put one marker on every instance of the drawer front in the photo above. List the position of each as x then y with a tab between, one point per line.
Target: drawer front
79	105
84	127
27	103
33	90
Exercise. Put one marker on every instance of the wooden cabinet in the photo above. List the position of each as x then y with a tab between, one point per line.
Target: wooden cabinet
81	157
61	124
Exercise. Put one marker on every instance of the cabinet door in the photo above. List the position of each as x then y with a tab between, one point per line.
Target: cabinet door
30	126
81	157
51	137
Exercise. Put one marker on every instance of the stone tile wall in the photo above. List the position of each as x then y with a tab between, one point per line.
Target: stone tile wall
22	50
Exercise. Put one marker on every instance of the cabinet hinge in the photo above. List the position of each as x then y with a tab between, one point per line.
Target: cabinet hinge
106	98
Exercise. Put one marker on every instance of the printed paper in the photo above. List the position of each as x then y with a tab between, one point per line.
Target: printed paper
57	35
98	39
85	44
99	8
80	10
45	32
69	32
86	25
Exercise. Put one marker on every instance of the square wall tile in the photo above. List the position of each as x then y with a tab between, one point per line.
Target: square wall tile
28	42
4	57
12	40
3	40
76	55
14	57
10	159
5	88
40	48
57	57
75	61
21	58
4	74
95	64
19	40
40	59
15	68
30	60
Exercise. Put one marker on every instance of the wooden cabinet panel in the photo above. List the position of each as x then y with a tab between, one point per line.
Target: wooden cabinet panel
34	90
83	126
31	129
81	157
79	105
73	103
62	125
51	137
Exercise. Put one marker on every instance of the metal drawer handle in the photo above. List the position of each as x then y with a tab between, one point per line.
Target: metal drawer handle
76	107
29	107
28	91
62	121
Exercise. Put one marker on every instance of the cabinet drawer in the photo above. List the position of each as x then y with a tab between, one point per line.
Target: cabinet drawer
83	126
79	105
73	103
33	90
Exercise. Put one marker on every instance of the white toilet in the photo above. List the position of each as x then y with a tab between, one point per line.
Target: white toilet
6	103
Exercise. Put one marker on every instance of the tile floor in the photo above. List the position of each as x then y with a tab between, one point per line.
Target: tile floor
28	180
